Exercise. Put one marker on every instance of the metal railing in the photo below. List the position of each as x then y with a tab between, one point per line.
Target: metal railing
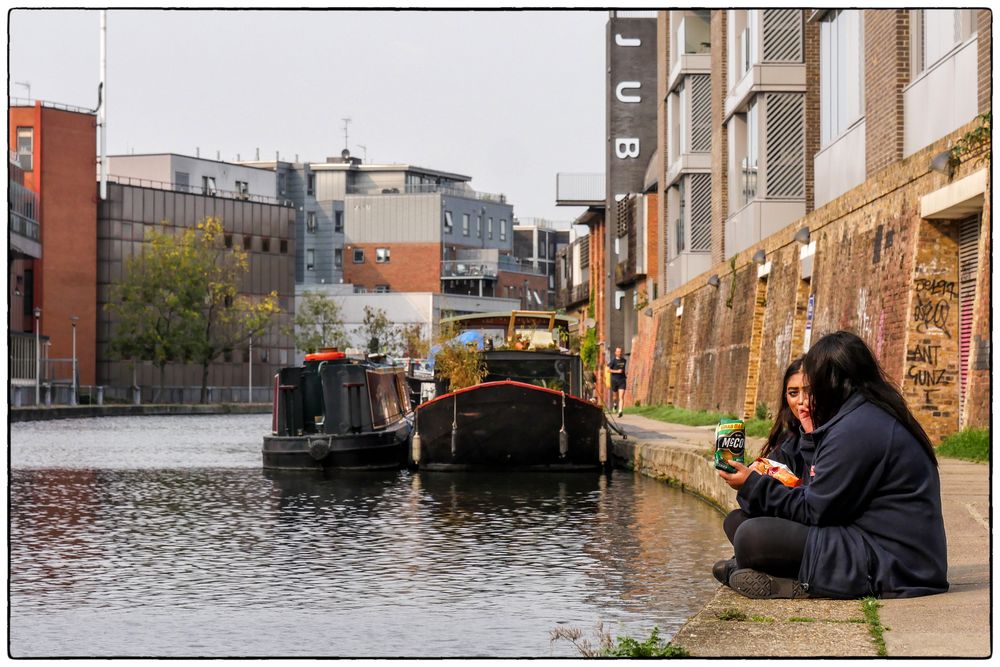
28	102
574	294
197	190
23	348
23	205
748	180
464	268
428	188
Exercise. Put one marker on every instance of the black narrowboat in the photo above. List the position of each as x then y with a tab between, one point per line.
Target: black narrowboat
337	412
526	414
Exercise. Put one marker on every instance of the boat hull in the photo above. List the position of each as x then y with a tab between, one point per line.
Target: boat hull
509	425
387	448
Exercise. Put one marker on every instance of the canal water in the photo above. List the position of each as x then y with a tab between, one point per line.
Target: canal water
162	537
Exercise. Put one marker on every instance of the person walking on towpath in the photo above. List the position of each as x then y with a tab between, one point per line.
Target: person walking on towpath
619	379
869	521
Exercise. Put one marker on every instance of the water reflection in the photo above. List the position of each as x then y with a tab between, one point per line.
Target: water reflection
225	560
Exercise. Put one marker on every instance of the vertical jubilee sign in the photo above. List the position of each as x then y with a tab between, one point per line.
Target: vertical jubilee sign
631	138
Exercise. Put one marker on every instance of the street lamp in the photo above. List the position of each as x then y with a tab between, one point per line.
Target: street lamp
73	320
38	360
250	374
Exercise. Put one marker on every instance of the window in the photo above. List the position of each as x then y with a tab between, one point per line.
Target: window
265	244
489	228
541	245
26	147
311	221
310	259
182	180
283	246
935	32
228	240
242	190
247	242
281	184
338	221
503	229
479	226
311	184
841	76
447	222
338	258
359	255
465	224
381	289
208	185
381	255
752	158
360	289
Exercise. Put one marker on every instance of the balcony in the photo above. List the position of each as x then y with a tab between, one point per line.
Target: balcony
23	224
485	269
573	295
451	190
580	189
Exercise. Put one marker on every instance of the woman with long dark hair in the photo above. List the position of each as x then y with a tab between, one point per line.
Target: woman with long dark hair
869	521
784	444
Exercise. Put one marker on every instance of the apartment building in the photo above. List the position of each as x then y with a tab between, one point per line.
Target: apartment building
573	292
842	192
537	242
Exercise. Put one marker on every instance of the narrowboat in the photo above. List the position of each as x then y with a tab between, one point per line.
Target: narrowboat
527	413
338	412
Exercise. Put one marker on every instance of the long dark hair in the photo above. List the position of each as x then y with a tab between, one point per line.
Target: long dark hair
840	364
786	421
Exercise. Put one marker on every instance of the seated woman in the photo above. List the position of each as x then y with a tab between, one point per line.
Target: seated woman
787	443
869	520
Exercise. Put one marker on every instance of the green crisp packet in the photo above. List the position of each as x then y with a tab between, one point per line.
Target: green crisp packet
730	443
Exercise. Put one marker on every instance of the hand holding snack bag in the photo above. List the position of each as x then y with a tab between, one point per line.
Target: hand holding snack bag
779	471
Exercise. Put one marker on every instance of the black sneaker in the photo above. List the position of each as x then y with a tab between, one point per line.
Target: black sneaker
760	586
723	569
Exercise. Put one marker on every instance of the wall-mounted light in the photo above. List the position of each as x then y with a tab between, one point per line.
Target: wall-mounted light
941	163
802	236
677	302
759	257
713	280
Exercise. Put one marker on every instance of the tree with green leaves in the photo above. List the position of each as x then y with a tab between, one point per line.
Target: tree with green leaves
226	317
318	323
415	345
379	335
156	304
179	300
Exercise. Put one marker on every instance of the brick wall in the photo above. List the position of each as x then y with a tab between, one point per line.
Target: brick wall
984	20
412	267
887	72
977	392
663	230
812	120
874	271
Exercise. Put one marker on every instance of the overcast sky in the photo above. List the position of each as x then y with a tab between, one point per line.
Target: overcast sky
508	98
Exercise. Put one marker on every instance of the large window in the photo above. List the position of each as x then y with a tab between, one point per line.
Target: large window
381	255
503	230
465	224
751	162
310	259
448	224
359	255
338	221
26	147
311	184
841	77
338	258
935	32
311	221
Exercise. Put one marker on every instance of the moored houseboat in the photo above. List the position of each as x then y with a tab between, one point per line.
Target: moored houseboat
337	412
527	412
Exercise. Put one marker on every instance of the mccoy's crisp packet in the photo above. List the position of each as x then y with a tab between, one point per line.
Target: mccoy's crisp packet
779	471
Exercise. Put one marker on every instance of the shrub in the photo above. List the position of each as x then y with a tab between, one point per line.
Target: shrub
972	444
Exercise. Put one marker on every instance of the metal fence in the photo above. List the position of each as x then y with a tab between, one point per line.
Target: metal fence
197	190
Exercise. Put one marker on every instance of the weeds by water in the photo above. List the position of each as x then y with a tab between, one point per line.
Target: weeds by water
607	646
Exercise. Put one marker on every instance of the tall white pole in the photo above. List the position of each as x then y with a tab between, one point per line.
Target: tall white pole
102	117
250	379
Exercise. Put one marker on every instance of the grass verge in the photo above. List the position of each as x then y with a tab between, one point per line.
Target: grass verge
972	444
870	607
755	428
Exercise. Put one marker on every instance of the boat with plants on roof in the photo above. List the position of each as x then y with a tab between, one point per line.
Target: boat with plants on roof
338	412
517	402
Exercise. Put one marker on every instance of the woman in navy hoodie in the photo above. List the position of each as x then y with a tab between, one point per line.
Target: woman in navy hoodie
869	522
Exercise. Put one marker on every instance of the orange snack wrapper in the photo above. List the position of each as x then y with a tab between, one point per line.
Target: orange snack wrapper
779	471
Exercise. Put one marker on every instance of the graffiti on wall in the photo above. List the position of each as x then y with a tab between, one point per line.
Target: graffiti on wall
934	299
925	370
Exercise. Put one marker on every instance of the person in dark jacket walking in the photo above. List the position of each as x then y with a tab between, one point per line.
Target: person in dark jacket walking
869	522
618	380
784	445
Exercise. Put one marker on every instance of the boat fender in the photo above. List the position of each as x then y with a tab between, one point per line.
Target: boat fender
415	442
563	435
602	445
454	428
319	448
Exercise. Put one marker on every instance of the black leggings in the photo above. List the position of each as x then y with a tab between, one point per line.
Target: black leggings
766	543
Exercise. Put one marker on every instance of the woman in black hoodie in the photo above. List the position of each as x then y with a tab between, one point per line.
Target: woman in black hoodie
869	522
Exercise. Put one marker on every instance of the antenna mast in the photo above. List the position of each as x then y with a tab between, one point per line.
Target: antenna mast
346	122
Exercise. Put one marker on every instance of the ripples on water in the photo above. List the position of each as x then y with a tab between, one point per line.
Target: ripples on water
161	536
